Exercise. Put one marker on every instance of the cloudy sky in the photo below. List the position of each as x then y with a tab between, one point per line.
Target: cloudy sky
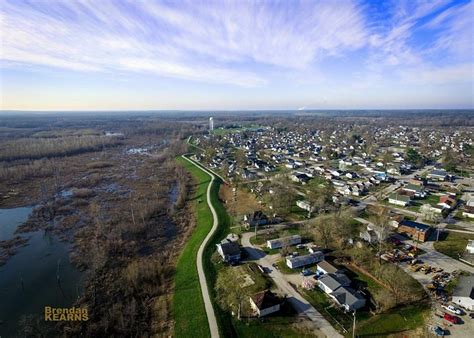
119	54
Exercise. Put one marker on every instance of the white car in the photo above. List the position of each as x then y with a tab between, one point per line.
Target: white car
453	309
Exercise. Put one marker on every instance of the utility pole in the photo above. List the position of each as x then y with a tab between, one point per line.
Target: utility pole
354	325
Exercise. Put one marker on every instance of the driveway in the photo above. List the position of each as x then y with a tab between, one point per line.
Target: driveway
301	305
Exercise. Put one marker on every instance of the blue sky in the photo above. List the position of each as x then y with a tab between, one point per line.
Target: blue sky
330	54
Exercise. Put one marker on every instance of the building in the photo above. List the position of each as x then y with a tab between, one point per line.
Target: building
229	251
438	175
304	205
398	199
417	190
325	267
265	303
417	231
211	124
369	236
336	286
301	261
348	298
447	202
463	294
278	243
468	211
256	219
330	282
470	246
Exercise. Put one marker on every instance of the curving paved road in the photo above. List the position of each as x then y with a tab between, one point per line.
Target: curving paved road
211	317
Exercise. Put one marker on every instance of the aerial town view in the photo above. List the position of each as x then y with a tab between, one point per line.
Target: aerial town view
237	168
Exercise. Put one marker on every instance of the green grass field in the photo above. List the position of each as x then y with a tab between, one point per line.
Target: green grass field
188	306
454	244
396	321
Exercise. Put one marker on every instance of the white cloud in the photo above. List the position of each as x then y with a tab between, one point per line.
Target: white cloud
440	75
223	42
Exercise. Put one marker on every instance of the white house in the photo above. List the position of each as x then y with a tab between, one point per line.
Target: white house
279	242
325	267
470	246
398	199
304	205
463	295
300	261
330	282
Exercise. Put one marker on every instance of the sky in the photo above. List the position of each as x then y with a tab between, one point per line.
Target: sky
236	55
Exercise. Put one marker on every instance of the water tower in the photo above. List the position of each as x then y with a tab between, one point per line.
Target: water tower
211	124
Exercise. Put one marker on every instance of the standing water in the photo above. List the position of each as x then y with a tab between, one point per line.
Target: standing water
38	275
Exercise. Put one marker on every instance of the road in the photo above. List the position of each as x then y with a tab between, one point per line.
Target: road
211	316
300	304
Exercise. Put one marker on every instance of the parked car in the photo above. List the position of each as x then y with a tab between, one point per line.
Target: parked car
300	246
438	331
451	318
306	272
453	309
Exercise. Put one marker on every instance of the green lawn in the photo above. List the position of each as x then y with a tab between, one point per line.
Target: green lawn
396	321
188	306
453	244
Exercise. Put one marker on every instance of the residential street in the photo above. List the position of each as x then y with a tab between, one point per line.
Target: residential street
300	304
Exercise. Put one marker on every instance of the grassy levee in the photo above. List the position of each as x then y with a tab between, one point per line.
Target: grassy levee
226	329
224	321
188	306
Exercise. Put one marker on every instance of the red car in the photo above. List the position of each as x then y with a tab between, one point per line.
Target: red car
451	318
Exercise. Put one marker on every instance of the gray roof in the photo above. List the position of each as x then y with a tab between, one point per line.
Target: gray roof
328	267
465	287
335	280
230	248
347	296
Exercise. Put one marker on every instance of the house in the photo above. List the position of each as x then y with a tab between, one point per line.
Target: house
325	267
417	231
468	211
349	299
300	261
301	178
304	205
470	246
336	286
265	303
428	208
398	199
417	190
369	236
438	175
447	202
255	219
287	241
330	282
229	251
463	294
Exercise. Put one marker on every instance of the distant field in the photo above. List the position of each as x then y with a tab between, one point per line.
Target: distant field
188	306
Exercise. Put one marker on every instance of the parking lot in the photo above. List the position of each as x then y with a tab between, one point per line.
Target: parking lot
440	269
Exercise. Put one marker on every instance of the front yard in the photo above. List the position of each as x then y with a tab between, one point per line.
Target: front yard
453	244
